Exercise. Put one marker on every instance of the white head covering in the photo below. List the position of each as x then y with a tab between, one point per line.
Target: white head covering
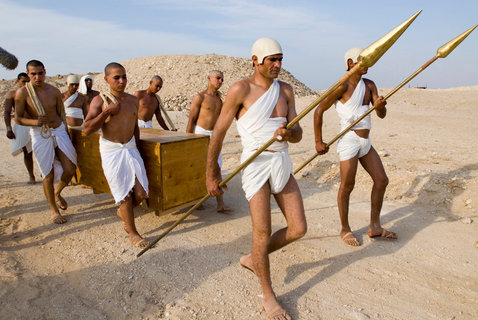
72	78
264	47
82	89
352	54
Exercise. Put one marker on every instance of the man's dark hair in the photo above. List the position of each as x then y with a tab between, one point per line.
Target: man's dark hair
22	75
35	63
112	65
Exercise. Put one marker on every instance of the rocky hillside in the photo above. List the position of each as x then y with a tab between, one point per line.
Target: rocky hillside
183	75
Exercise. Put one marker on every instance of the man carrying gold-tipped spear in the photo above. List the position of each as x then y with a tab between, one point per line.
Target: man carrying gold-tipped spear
351	100
263	106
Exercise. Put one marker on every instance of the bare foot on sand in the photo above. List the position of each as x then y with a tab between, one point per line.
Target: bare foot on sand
60	202
57	218
273	310
138	241
246	263
223	209
349	239
31	180
384	233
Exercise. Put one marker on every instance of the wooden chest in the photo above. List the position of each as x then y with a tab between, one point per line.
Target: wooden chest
175	164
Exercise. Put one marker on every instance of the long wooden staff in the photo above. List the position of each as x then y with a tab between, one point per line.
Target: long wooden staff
368	57
442	52
163	109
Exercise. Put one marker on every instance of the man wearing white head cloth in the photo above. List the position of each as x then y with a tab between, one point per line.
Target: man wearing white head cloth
352	99
86	87
263	106
76	105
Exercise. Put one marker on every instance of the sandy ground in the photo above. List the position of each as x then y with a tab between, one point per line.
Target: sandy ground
87	269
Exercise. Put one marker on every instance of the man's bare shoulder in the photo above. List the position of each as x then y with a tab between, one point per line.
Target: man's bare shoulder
20	93
51	89
96	101
82	97
10	94
285	86
131	97
240	87
140	93
369	83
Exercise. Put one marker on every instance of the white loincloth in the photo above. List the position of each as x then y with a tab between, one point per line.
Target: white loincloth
121	164
350	144
201	130
22	139
145	124
352	109
44	150
82	87
256	128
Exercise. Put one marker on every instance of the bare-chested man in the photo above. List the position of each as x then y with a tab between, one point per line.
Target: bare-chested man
149	104
352	99
20	135
263	106
205	109
76	104
52	147
86	87
122	164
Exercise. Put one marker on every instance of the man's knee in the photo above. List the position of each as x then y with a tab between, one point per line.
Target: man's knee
382	182
298	231
347	187
69	169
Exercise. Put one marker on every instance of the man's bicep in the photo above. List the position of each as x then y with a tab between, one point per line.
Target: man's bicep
95	108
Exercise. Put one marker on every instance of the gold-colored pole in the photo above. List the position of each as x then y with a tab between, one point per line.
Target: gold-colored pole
442	52
368	57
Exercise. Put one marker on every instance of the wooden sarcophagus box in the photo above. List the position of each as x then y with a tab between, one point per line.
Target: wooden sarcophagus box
175	164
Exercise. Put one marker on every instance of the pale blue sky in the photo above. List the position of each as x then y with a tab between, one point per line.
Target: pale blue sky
83	36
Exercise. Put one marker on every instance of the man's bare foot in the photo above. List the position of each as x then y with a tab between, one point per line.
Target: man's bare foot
60	202
224	209
350	239
31	180
138	241
246	262
384	233
273	310
57	218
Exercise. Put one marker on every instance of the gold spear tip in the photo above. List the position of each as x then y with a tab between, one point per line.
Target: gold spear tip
445	50
372	53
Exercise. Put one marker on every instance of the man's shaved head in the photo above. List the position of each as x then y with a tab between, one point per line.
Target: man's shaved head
112	65
156	78
35	63
212	73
